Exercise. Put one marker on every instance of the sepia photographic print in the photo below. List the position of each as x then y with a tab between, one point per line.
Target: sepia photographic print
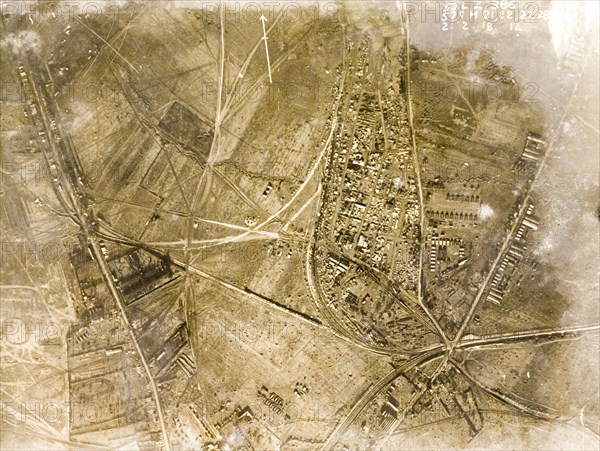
299	225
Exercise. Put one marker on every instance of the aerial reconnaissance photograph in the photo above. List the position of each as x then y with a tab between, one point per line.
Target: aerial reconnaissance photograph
299	225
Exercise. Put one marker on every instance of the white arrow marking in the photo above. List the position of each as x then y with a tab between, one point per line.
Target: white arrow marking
263	19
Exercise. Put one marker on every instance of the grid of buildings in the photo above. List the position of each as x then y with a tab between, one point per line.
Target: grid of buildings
509	263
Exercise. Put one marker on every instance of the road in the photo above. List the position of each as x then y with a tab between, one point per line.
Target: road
66	163
558	130
205	182
543	414
370	394
329	316
415	398
292	199
437	351
246	63
380	278
112	235
263	300
315	291
563	333
442	334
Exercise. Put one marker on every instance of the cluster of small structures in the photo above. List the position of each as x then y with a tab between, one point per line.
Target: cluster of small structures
445	250
450	395
98	345
455	395
187	330
389	410
371	206
452	210
369	225
535	147
509	263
